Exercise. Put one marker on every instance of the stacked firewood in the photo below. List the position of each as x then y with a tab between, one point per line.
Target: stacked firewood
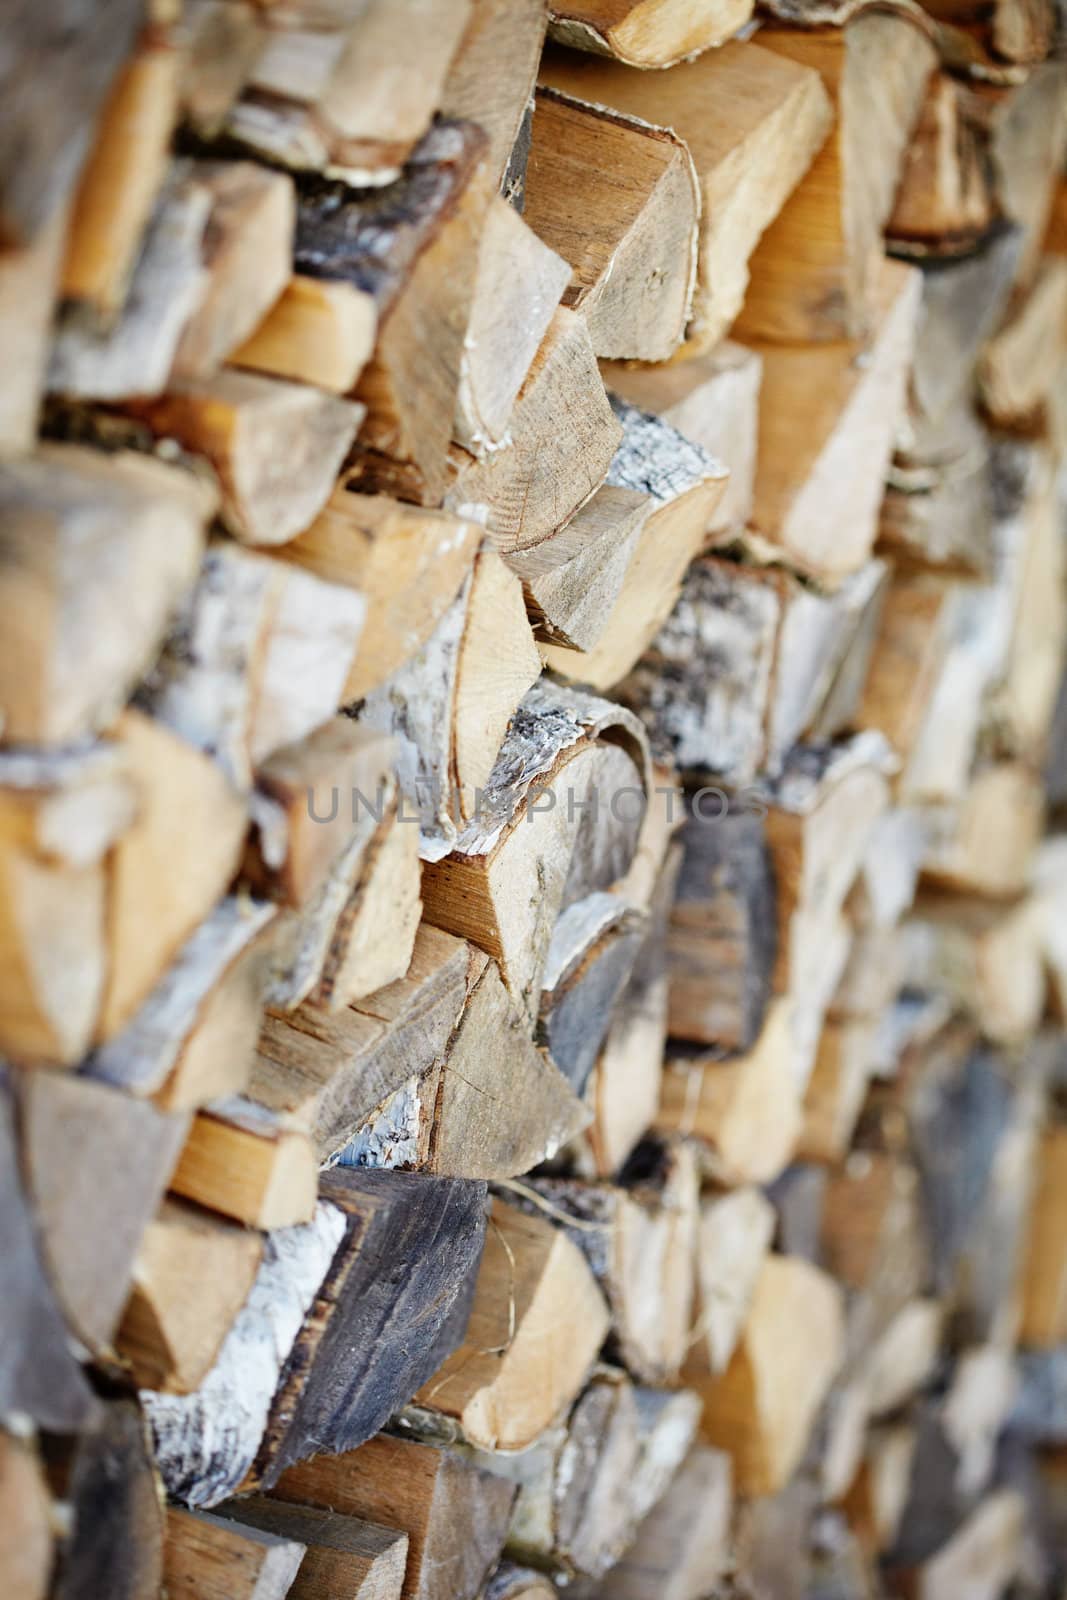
532	950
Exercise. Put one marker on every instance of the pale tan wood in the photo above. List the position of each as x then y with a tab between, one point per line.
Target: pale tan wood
192	1275
647	33
833	1100
29	286
344	1556
491	77
409	562
277	447
763	1406
315	332
904	1356
374	936
84	532
986	955
120	181
772	116
533	484
945	199
684	485
455	1515
1044	1284
523	1362
316	787
519	284
247	257
501	1107
573	578
712	399
986	844
1020	363
877	1497
747	1107
208	1557
192	1039
735	1234
221	40
818	489
631	242
814	274
355	97
26	1543
249	1167
171	867
328	1072
908	653
58	824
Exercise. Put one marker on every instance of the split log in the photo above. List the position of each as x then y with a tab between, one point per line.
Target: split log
640	1242
29	282
313	332
522	1364
450	707
455	1515
39	1376
248	250
221	42
712	400
683	1543
721	946
50	132
247	1164
492	74
409	563
520	283
746	1108
26	1546
774	116
122	176
171	866
631	242
814	274
763	1406
810	489
353	99
328	1072
134	355
986	846
982	1556
732	1243
1020	363
510	1582
343	1554
210	1558
259	659
1027	133
115	1546
277	447
573	579
643	37
1044	1306
62	816
206	1442
590	958
414	247
877	1497
538	479
985	955
684	485
559	819
82	530
940	505
311	791
90	1220
192	1275
833	1100
904	1357
945	202
193	1038
908	654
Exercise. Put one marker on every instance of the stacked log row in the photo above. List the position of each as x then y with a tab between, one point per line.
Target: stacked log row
533	800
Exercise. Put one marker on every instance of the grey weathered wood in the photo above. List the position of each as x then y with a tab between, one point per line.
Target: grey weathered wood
395	1305
116	1542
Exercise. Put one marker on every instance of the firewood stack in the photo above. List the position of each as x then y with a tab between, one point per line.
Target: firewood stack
533	800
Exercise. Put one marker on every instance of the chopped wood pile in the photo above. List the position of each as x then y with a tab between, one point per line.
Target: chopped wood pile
533	800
